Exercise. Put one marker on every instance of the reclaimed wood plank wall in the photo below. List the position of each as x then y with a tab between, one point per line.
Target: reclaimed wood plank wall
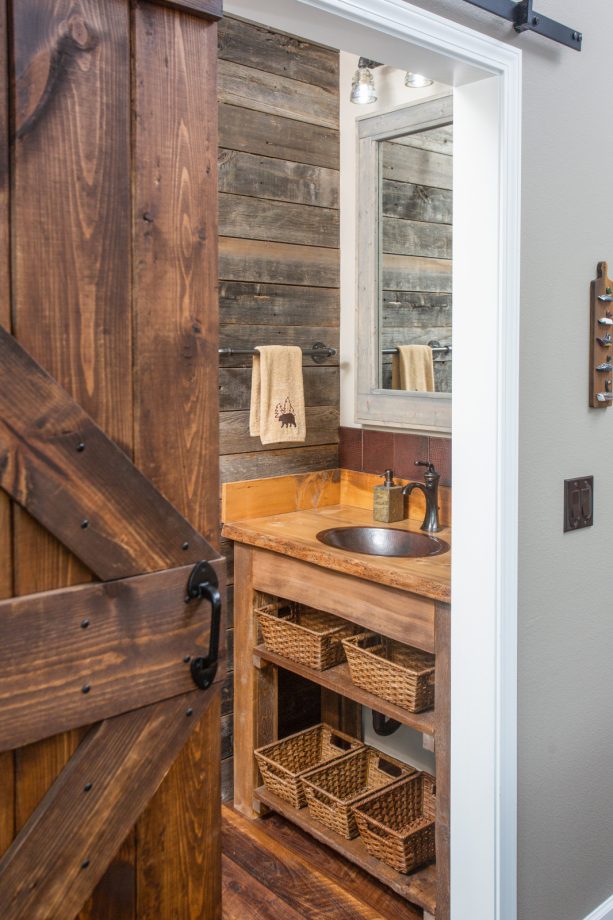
279	251
417	174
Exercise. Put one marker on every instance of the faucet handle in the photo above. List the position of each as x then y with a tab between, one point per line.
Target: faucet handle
426	463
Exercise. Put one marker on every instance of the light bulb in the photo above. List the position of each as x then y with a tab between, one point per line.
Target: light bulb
417	80
363	90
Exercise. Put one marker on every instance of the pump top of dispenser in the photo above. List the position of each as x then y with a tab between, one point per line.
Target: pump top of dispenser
389	479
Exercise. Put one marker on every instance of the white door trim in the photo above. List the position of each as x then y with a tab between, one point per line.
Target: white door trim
486	75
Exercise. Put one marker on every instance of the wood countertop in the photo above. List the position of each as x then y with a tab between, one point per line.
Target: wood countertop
294	534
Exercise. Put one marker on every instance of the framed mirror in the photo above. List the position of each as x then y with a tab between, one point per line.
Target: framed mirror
404	267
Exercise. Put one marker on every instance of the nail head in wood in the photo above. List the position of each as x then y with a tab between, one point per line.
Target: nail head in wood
87	787
86	688
185	545
84	524
85	864
84	624
189	711
187	659
80	446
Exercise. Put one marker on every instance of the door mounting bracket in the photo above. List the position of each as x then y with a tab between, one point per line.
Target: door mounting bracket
525	19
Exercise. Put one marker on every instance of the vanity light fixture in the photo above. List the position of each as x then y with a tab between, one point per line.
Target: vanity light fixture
417	80
363	90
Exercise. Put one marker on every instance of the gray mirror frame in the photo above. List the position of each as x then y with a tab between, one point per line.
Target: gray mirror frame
424	412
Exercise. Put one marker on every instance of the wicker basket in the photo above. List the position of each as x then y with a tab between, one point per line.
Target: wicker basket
392	671
308	636
331	791
397	824
283	763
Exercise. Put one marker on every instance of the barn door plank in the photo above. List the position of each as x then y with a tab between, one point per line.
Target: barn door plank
64	849
72	657
93	499
176	403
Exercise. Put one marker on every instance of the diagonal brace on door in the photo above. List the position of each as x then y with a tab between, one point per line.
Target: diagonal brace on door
525	19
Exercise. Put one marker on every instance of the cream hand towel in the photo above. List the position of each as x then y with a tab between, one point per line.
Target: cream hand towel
413	369
277	395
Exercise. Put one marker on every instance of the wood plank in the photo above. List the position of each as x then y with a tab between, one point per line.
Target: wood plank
125	641
209	9
248	337
321	428
280	180
71	258
321	387
338	680
130	528
278	221
65	847
274	52
279	495
410	164
407	618
416	202
418	888
287	875
416	273
176	311
416	238
255	691
256	89
439	140
245	896
262	464
244	303
176	404
442	632
274	136
7	766
346	874
278	263
420	309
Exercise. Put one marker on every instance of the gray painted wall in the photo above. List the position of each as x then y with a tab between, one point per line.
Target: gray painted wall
566	612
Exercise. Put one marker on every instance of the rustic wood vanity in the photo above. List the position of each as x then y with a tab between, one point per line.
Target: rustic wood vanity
277	555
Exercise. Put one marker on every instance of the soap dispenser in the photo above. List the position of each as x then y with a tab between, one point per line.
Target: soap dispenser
388	505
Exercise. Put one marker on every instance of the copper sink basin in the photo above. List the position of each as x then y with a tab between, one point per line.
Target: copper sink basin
383	541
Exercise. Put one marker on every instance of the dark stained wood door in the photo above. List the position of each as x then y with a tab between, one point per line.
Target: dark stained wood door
108	458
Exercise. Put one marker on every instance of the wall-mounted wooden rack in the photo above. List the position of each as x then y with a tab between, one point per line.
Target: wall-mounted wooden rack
601	339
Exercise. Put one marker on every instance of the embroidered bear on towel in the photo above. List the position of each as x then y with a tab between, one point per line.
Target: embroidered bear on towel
285	414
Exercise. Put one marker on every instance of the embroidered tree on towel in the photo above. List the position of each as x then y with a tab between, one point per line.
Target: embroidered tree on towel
285	413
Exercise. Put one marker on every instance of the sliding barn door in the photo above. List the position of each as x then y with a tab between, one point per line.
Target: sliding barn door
109	690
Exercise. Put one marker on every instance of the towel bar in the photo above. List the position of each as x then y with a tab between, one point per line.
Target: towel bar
435	346
318	352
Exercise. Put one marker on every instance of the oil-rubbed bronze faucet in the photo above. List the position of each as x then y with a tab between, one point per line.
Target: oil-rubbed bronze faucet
430	490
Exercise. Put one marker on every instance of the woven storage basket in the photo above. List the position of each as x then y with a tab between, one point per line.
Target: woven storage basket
311	637
331	791
283	763
397	824
392	671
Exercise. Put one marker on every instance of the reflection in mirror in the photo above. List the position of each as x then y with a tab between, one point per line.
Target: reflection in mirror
415	237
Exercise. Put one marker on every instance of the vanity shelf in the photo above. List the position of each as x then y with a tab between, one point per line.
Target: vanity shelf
338	680
419	888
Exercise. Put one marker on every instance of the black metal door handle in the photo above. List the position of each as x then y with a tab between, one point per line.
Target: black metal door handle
204	584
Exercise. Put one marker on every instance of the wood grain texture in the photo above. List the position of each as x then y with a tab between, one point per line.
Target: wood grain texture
402	163
321	387
176	406
275	136
321	428
262	464
7	766
175	253
279	495
410	201
210	9
442	634
278	221
277	263
286	55
65	847
125	641
244	895
279	180
256	89
416	273
245	303
416	238
94	499
439	140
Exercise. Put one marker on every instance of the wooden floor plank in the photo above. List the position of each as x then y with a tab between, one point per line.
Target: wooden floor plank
244	896
390	906
287	874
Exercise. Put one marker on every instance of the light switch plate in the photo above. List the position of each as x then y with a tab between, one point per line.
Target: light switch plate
578	503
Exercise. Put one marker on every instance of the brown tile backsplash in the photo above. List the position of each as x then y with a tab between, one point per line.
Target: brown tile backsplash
375	451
